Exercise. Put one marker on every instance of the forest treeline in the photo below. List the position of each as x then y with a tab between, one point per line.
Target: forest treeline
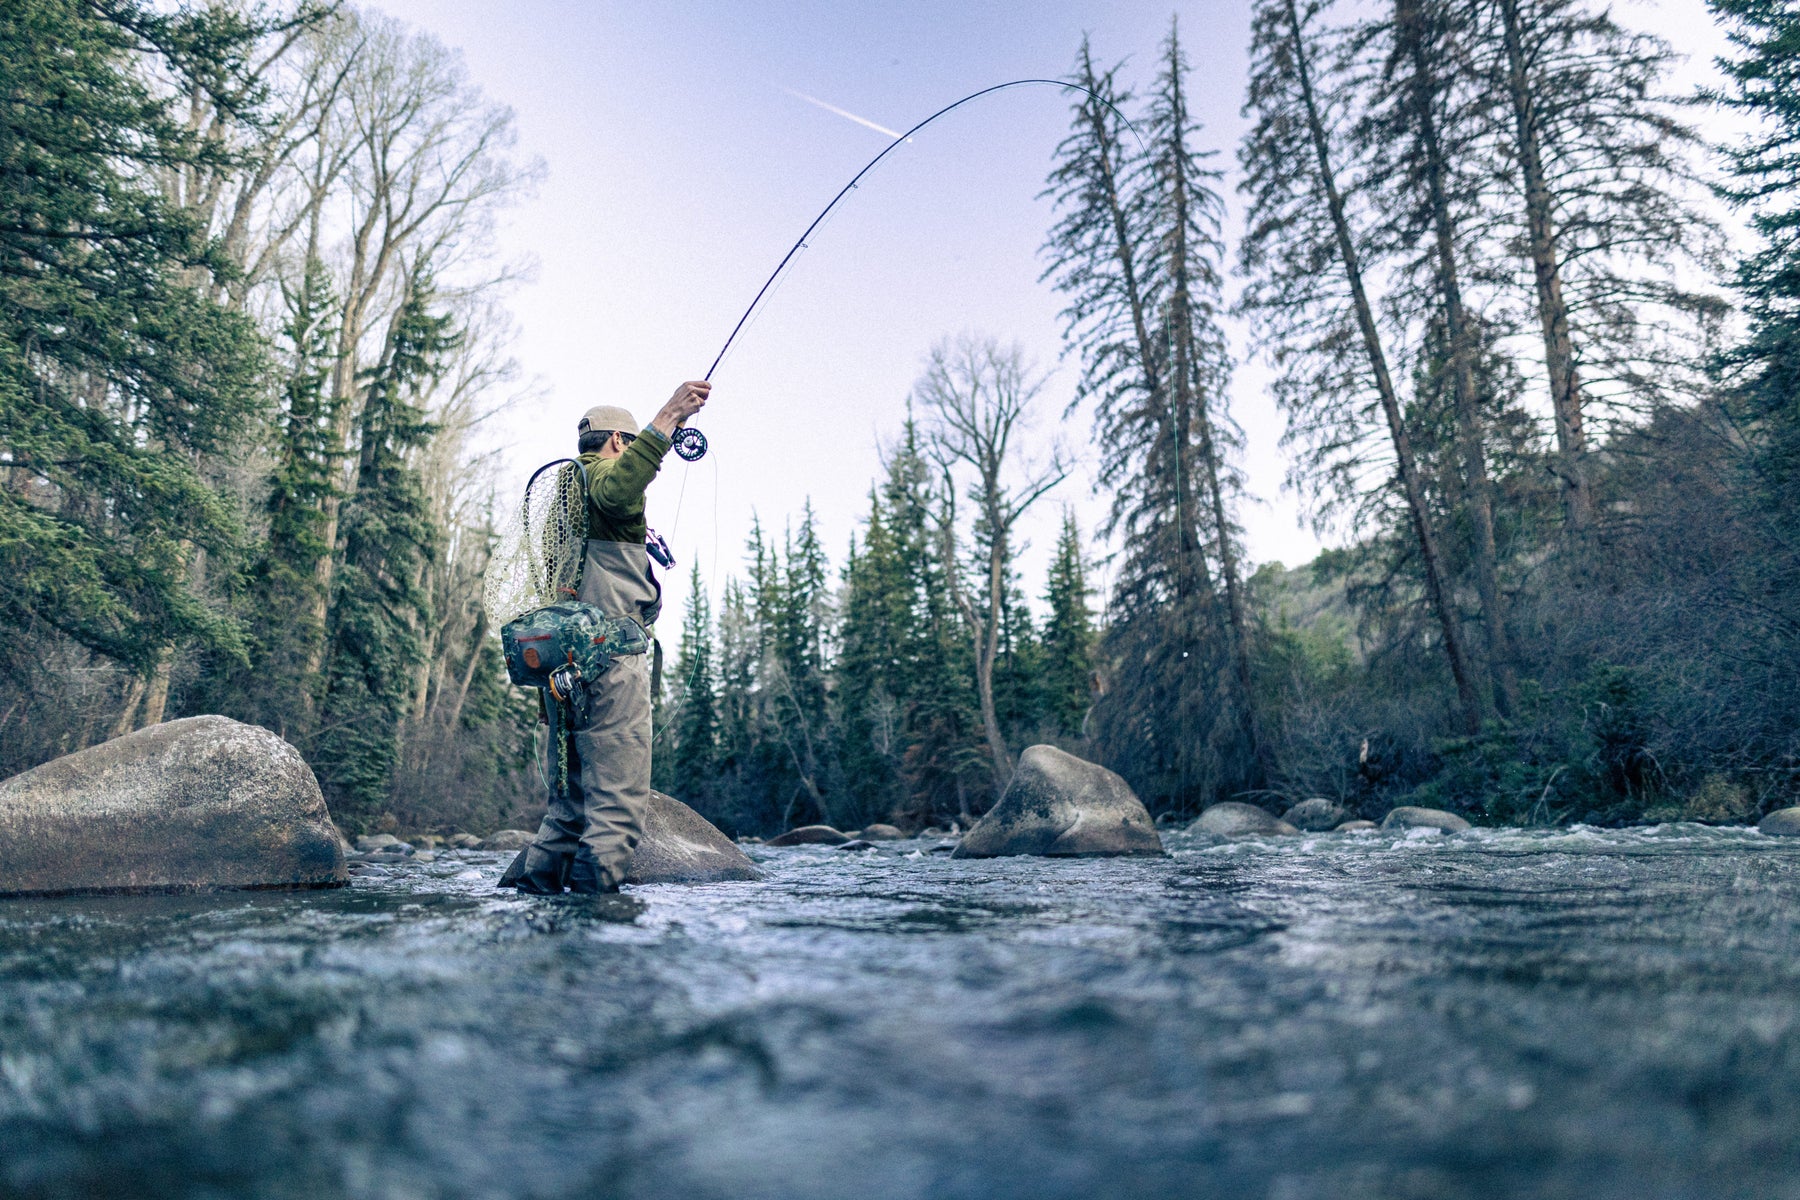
250	332
253	327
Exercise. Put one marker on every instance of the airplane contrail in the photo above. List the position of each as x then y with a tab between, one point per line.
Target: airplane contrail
848	116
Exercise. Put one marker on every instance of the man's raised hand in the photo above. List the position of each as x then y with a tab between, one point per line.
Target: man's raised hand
688	399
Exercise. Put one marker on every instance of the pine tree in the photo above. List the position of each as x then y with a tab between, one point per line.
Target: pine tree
119	370
280	602
1309	295
1421	133
695	747
876	613
379	606
1067	675
1136	248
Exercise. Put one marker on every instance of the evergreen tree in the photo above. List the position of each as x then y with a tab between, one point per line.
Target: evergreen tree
695	747
876	615
379	607
280	607
1765	180
1136	249
1067	675
1309	293
1764	369
118	368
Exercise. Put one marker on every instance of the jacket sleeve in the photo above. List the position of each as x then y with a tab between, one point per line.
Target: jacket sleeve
618	490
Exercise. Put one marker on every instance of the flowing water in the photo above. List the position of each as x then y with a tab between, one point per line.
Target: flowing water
1580	1013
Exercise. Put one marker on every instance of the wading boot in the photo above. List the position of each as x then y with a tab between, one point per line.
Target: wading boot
545	874
584	876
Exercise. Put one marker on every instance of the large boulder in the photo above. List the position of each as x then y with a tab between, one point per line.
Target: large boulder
811	835
192	805
681	846
1231	818
1316	815
1783	822
678	846
882	833
1408	816
506	839
1061	805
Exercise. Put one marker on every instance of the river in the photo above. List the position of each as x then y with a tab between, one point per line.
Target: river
1573	1013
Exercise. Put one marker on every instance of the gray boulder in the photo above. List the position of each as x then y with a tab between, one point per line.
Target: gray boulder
506	839
1355	826
811	835
368	843
881	833
681	846
1060	805
1409	817
1230	818
678	846
1316	815
1783	822
193	805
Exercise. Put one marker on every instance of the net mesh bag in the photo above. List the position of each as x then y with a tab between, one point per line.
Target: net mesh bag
537	558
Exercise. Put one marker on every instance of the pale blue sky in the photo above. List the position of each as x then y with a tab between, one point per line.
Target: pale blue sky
680	170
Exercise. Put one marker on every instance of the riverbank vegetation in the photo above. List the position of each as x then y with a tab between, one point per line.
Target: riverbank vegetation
1531	333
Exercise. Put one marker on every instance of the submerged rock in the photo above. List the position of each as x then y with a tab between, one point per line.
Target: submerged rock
1409	817
1060	805
1316	815
506	839
1231	818
678	846
858	844
811	835
1355	826
189	805
882	833
1783	822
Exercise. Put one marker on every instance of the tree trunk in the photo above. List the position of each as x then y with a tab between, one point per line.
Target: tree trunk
156	692
1405	461
1553	311
987	649
1191	403
1471	439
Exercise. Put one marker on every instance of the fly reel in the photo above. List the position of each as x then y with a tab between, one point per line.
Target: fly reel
690	444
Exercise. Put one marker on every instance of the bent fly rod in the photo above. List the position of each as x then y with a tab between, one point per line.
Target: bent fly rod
690	444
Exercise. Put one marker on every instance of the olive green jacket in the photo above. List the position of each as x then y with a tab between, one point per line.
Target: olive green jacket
616	488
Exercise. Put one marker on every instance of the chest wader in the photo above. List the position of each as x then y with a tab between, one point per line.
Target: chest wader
597	756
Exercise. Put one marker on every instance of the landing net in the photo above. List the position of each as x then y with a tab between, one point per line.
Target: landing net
537	560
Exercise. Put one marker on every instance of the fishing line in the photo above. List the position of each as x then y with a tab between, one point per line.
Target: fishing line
800	242
690	444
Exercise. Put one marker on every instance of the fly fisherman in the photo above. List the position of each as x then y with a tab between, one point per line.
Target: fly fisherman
592	826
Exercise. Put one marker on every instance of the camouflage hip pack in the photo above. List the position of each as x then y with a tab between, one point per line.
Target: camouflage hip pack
566	637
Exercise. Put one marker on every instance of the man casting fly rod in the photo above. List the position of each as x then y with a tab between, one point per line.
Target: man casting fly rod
587	653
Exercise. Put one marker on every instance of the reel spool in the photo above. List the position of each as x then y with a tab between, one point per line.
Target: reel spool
690	444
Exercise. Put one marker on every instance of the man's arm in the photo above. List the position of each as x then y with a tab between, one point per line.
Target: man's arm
618	491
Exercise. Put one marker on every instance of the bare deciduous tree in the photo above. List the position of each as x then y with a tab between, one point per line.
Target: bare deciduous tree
977	398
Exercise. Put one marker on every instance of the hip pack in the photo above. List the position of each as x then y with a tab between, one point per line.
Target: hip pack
568	634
